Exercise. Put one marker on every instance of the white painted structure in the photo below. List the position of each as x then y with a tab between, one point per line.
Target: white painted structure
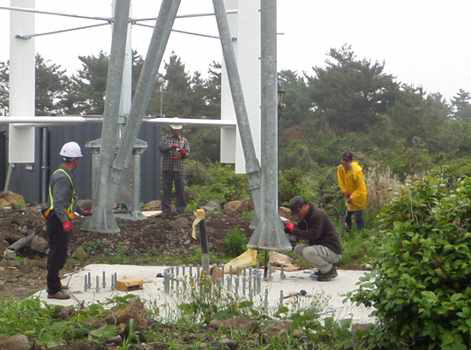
22	82
245	27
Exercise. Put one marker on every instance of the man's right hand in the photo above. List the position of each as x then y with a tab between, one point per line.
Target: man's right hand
289	227
67	226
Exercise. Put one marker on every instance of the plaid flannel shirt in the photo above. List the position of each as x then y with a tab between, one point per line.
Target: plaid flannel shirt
169	161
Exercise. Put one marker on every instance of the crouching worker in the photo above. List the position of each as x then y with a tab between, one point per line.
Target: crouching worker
59	216
323	249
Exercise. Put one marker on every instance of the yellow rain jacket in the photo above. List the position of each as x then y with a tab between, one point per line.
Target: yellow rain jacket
353	182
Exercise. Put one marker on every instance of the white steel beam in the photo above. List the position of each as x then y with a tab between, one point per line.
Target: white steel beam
22	122
22	83
228	136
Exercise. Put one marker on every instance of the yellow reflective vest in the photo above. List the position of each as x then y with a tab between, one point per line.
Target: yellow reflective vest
69	211
353	182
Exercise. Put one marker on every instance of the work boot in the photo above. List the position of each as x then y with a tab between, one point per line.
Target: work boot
59	295
328	276
315	275
64	288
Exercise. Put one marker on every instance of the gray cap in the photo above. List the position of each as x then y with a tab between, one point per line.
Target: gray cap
296	203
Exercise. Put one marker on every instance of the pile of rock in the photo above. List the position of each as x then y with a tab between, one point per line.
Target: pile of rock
20	226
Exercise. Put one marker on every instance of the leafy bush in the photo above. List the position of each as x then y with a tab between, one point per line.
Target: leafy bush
235	242
296	182
217	182
420	284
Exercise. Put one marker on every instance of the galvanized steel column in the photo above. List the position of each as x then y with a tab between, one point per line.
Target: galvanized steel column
103	219
147	78
269	234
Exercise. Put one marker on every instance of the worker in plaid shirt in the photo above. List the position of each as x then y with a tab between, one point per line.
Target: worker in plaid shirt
173	148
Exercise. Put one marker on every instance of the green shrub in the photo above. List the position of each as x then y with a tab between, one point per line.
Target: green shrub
296	182
195	172
219	182
235	242
420	284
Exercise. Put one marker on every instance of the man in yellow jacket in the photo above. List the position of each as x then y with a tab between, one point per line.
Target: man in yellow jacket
352	184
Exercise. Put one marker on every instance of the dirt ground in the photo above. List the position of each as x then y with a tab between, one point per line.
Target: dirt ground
26	274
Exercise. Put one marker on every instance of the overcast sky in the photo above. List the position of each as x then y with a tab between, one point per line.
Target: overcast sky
423	42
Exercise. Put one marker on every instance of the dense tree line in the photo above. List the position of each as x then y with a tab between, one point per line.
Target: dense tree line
347	103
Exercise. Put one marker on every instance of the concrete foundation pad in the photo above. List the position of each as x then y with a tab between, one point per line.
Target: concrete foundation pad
332	293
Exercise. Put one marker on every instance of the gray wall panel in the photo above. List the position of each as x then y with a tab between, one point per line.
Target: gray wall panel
26	180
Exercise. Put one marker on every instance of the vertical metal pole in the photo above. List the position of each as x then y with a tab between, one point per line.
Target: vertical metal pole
149	71
161	100
6	187
103	219
204	246
266	300
252	165
44	165
269	233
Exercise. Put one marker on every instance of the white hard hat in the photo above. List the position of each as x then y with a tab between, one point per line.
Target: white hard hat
176	126
71	150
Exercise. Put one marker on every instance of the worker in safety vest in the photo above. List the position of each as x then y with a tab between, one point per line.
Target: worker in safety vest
352	184
60	215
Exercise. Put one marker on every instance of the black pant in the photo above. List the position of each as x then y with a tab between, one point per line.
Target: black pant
170	177
58	241
358	219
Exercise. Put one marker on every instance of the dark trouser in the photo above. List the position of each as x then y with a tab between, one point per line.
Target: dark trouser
58	241
170	177
358	219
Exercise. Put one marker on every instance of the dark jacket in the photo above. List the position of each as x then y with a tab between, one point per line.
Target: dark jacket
317	229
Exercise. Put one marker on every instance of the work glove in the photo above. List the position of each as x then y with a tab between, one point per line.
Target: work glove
183	152
174	146
289	227
67	226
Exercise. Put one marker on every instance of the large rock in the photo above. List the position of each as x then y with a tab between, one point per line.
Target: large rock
233	207
12	200
39	244
280	260
152	205
212	205
133	310
16	342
